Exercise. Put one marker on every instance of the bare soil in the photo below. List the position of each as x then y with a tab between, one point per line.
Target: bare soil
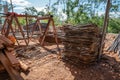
45	65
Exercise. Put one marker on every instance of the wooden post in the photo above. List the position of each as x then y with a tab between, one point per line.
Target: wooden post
26	18
55	35
45	33
105	25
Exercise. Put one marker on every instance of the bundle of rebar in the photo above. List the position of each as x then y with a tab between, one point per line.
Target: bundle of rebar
81	43
115	47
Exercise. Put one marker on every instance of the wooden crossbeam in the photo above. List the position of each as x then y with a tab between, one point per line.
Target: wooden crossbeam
18	15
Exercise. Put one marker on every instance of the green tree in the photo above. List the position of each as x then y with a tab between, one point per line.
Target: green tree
87	11
33	11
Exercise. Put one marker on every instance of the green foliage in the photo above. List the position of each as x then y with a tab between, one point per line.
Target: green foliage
87	11
30	11
33	11
114	25
22	21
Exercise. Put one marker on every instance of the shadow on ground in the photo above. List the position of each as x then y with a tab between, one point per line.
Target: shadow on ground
107	69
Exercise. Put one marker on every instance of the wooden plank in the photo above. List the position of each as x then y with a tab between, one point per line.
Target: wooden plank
23	66
44	18
14	74
12	58
1	67
1	46
22	16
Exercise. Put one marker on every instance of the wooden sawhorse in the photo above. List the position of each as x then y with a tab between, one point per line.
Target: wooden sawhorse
50	21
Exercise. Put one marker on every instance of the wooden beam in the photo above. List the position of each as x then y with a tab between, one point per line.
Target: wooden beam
12	58
14	74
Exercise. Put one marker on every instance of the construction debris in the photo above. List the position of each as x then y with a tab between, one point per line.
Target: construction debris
115	47
81	43
8	59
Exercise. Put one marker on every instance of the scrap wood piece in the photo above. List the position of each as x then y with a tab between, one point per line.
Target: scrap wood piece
15	63
6	41
23	66
1	67
12	58
1	46
14	74
115	47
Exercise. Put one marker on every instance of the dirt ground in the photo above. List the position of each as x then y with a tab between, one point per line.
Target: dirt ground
45	65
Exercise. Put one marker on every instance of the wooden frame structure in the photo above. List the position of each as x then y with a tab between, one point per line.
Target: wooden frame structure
14	16
50	21
7	26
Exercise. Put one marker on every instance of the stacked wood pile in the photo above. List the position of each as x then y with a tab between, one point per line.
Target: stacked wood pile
8	59
81	43
51	38
115	47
